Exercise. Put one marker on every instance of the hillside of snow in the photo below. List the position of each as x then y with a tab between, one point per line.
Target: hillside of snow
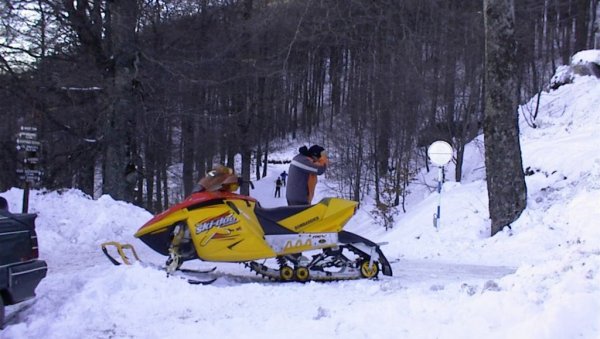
541	279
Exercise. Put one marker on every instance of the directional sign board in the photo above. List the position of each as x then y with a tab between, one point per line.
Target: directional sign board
27	135
28	144
27	139
28	175
31	160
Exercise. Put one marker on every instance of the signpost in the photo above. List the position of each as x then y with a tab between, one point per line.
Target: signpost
29	146
439	153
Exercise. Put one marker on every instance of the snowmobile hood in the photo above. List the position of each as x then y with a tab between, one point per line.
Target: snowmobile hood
194	200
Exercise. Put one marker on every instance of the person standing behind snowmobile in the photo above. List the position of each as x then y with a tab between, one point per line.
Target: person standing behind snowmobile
302	174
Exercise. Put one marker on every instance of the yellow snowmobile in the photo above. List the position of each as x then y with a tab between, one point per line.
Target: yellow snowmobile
222	226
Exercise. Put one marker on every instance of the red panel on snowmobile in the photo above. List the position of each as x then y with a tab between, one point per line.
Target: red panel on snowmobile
195	199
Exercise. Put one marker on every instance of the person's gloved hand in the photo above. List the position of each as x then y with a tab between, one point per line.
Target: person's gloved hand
323	160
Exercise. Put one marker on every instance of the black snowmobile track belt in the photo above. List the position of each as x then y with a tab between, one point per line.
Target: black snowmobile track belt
274	274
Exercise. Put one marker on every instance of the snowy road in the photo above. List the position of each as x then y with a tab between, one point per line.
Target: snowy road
435	272
77	300
409	273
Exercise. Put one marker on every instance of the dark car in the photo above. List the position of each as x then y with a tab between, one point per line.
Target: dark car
20	269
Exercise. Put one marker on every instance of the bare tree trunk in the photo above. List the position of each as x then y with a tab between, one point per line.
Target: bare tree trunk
158	206
258	163
265	158
581	24
358	170
595	25
187	130
120	121
165	188
246	159
149	169
507	191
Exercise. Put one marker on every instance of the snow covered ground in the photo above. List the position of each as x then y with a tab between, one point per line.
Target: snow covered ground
539	280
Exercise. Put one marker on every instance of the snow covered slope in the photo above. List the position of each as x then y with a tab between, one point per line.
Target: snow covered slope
541	280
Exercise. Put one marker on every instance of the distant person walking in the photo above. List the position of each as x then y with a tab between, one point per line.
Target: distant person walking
278	184
303	171
283	176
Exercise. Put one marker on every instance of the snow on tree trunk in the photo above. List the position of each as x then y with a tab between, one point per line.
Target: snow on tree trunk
507	192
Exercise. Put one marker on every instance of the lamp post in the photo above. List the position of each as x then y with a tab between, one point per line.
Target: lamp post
439	153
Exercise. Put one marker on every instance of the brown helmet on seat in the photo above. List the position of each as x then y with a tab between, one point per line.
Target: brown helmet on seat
220	178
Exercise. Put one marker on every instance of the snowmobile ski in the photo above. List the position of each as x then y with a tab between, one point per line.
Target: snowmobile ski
188	275
201	282
121	251
179	272
208	270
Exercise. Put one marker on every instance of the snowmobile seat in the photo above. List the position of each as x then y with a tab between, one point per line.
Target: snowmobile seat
269	217
280	213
